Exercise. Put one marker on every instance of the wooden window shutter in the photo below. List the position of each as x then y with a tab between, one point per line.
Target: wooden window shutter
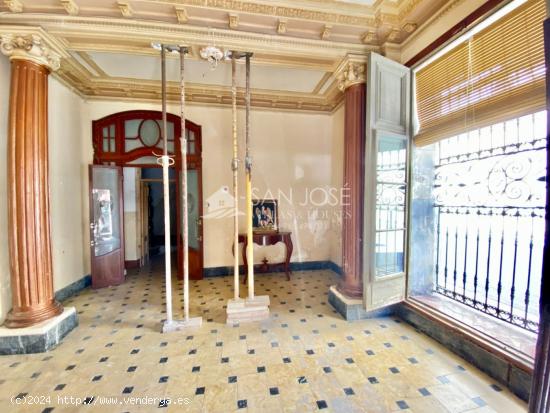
497	74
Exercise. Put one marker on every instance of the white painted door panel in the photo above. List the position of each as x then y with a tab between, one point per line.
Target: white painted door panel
387	143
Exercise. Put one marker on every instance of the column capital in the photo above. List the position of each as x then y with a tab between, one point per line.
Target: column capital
351	71
29	47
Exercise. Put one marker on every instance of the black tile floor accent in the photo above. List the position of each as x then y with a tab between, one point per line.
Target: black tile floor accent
296	361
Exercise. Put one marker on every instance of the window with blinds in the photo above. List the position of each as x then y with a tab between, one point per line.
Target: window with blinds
495	75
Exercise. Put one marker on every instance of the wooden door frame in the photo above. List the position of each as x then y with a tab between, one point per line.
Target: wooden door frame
121	213
198	167
122	158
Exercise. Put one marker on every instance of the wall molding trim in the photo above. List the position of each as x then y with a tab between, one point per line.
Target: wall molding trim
73	288
294	266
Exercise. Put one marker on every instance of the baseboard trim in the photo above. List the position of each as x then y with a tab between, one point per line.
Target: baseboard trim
73	288
294	266
131	264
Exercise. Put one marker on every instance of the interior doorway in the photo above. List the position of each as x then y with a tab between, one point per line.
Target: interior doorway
132	140
153	220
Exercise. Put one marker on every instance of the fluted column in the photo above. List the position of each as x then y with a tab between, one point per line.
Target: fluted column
352	82
28	186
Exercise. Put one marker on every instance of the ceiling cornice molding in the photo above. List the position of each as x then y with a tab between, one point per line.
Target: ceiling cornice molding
449	6
146	32
98	87
361	16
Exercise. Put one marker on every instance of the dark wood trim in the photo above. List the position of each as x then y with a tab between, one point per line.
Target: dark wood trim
464	24
123	158
486	342
540	386
130	264
268	238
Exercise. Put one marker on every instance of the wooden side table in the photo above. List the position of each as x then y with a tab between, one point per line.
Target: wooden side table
269	238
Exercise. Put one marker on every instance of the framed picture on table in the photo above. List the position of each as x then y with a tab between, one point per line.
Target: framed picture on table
265	216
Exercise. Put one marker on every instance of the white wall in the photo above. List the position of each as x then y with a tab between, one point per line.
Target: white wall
5	292
67	171
293	153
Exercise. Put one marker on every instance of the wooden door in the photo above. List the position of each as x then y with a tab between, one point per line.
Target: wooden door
194	201
386	159
144	222
194	214
106	225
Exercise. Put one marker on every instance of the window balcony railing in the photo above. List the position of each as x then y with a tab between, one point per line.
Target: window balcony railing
489	189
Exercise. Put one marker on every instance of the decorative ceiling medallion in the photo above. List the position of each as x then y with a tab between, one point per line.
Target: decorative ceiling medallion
213	55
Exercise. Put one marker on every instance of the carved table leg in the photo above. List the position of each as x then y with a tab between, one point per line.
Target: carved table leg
289	247
245	262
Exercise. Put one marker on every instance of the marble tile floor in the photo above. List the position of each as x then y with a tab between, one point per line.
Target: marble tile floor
304	358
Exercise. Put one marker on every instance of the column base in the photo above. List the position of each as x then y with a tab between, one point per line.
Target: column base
353	309
38	338
350	291
32	317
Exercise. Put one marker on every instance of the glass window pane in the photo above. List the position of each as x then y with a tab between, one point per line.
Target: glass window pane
106	211
105	144
193	207
131	128
131	144
149	132
390	205
390	165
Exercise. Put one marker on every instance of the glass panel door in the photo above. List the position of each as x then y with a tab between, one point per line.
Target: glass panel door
106	231
106	211
391	158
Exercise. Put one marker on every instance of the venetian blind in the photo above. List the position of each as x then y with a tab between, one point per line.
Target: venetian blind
497	74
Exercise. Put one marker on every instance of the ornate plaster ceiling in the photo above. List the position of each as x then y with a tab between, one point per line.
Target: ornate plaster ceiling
298	45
